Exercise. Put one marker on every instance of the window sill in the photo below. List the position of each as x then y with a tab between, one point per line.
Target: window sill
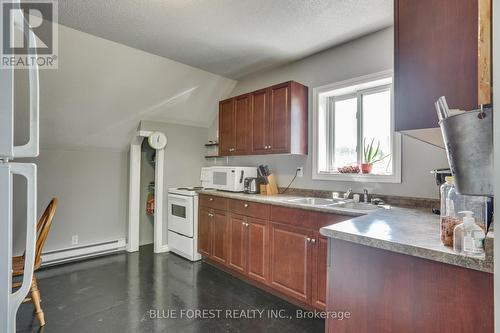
363	178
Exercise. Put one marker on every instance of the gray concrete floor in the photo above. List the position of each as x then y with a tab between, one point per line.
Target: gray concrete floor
116	294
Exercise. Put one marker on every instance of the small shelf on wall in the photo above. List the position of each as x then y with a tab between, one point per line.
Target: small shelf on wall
212	150
211	144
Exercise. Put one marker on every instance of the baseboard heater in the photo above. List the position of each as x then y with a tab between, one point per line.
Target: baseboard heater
82	252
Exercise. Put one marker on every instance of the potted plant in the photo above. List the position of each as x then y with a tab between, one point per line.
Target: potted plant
371	155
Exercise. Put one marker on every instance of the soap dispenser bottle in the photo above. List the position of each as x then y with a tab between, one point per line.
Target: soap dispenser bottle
468	237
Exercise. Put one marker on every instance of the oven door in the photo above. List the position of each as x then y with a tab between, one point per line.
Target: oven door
180	214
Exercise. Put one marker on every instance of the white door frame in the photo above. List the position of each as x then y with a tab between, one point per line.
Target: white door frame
160	242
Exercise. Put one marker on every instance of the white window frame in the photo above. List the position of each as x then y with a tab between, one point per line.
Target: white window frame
395	177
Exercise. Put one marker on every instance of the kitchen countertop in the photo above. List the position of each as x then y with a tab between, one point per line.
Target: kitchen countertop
280	200
410	231
414	232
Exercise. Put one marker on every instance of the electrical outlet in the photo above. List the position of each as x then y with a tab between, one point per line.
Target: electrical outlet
300	172
74	240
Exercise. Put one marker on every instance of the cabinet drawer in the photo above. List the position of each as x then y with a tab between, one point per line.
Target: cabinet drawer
248	208
212	201
292	216
304	218
324	219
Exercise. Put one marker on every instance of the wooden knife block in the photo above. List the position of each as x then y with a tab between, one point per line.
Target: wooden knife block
271	188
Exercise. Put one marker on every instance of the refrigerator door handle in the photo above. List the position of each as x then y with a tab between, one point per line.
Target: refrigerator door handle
31	148
28	171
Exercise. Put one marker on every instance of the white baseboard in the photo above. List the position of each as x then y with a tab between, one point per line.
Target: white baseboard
82	252
162	249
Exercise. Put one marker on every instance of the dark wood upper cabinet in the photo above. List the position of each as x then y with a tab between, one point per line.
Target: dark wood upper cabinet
273	120
260	121
280	118
234	121
241	124
226	126
437	43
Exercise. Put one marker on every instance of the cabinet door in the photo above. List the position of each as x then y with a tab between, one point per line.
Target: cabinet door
290	261
226	127
260	121
237	243
241	124
320	253
436	54
258	249
280	118
204	232
219	236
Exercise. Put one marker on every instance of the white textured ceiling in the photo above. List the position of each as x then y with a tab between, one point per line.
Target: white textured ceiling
102	90
232	38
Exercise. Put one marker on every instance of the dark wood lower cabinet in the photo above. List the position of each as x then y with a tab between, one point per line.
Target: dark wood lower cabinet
290	261
390	292
213	234
279	249
237	243
205	232
257	249
248	239
320	256
220	234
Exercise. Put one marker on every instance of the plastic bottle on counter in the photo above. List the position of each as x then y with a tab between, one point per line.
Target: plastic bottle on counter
449	217
468	236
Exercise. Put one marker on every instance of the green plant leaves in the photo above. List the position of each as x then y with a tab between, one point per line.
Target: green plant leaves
370	153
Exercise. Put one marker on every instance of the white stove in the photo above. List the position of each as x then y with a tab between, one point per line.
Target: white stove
190	191
183	221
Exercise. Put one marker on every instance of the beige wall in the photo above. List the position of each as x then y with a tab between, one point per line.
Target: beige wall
370	54
90	108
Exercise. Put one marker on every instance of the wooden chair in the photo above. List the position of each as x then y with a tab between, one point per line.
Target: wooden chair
42	227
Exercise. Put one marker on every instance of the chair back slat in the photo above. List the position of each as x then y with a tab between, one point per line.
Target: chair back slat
43	227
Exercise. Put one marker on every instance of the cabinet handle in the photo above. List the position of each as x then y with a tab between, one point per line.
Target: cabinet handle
269	147
246	225
246	205
313	240
308	239
243	223
210	215
211	199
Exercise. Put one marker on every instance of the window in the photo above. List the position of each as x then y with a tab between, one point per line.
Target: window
349	117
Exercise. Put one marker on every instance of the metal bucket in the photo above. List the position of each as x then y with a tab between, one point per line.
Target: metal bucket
468	139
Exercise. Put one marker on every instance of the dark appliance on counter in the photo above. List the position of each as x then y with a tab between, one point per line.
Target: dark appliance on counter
252	185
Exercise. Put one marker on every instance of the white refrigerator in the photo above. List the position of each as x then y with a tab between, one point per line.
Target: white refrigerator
9	300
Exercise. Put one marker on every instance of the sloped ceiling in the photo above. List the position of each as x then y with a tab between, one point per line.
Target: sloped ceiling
103	89
228	37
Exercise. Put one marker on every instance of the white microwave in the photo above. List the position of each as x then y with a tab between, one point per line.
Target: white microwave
226	178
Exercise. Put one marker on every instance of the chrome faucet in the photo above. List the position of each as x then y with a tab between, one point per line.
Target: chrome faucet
347	194
365	195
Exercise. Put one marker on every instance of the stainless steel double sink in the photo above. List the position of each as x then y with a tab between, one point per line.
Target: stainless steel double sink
337	204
